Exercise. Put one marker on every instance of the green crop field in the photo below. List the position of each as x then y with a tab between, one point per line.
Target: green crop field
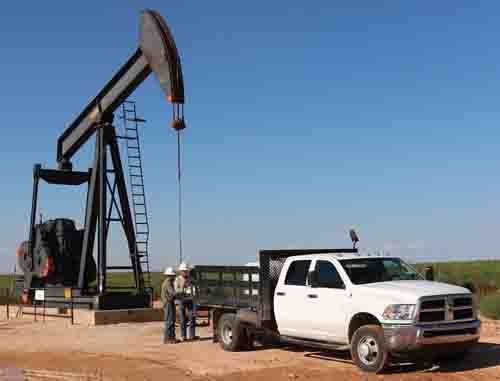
485	275
5	281
127	280
490	306
5	286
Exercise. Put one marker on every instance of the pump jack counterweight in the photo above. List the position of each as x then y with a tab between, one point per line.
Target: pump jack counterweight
57	255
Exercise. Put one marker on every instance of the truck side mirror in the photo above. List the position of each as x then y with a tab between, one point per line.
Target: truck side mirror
312	279
429	273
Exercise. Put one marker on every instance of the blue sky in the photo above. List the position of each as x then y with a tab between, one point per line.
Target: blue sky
304	119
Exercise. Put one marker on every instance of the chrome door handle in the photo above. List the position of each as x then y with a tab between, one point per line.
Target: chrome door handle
280	294
312	296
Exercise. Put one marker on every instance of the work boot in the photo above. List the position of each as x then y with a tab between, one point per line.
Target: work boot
171	340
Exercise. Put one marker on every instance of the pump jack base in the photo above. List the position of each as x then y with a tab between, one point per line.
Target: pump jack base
112	300
121	300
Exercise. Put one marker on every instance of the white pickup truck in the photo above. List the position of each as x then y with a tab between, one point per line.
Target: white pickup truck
377	307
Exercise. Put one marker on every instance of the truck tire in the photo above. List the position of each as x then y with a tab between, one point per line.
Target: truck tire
368	349
231	335
248	340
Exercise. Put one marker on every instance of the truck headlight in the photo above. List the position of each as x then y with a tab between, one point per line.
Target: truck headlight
399	312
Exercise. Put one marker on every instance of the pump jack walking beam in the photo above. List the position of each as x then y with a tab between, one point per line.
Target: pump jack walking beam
156	53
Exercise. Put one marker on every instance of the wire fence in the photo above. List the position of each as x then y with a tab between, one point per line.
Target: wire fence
38	305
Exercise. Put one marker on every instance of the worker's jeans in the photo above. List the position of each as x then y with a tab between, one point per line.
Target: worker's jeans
188	305
169	321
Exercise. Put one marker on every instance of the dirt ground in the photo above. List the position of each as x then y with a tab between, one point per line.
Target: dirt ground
55	350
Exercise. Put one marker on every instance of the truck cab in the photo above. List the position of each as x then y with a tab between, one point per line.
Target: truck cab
322	314
328	297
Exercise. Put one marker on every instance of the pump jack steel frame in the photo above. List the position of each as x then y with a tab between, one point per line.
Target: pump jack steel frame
156	53
97	213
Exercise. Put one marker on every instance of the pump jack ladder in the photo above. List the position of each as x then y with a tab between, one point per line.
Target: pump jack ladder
130	123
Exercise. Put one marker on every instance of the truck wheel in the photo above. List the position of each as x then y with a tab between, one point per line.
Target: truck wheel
231	335
368	349
248	340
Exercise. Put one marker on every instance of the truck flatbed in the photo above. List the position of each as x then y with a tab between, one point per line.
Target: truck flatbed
227	286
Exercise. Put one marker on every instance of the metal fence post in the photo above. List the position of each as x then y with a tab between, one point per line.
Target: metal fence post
72	314
8	307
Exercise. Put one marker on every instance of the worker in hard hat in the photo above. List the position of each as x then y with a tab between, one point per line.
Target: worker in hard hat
185	293
168	301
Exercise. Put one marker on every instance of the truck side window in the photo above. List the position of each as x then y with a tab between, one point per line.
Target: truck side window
297	273
328	276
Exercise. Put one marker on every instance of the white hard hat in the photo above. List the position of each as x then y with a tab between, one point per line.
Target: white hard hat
169	271
183	267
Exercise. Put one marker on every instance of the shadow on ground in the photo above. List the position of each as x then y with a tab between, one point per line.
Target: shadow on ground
337	356
483	356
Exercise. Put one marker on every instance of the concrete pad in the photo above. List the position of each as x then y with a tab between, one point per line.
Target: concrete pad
139	315
86	317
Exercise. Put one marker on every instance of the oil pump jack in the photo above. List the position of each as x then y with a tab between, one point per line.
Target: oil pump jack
58	256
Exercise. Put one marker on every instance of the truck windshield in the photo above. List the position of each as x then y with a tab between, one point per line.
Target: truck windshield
374	270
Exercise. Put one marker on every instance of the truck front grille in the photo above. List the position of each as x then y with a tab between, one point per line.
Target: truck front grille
431	316
446	309
430	304
462	302
463	314
451	332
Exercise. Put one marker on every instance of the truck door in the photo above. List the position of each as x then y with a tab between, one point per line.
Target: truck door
326	304
289	298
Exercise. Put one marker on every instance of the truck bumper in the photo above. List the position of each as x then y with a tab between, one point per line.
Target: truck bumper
407	338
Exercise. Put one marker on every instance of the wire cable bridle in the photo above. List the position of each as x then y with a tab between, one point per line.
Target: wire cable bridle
179	124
